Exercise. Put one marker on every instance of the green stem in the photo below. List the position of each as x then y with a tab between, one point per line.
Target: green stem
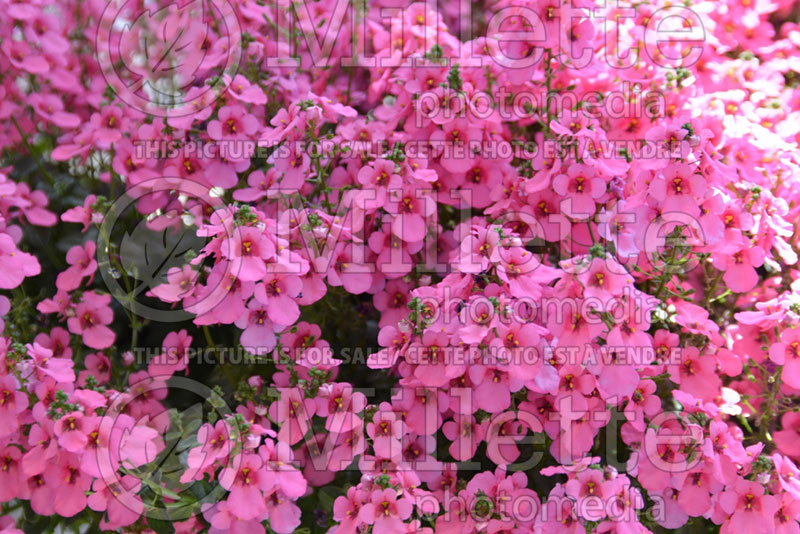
32	152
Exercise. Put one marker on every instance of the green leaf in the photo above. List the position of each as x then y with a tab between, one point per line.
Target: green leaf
161	526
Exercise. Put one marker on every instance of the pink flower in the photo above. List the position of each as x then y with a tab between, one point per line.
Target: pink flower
68	484
786	439
643	405
108	126
604	279
695	496
572	123
787	515
381	177
97	365
174	356
181	282
243	91
678	189
343	271
14	403
739	261
233	124
788	475
412	208
15	265
92	314
81	264
293	163
247	250
10	474
347	508
83	214
261	185
524	272
247	481
340	406
582	188
33	206
278	459
669	142
465	435
589	483
457	140
392	302
751	510
71	430
294	411
59	369
394	254
395	342
284	515
696	373
386	430
23	57
277	294
119	499
258	335
386	512
215	443
787	353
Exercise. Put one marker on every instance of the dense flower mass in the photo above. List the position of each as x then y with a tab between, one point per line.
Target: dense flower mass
505	267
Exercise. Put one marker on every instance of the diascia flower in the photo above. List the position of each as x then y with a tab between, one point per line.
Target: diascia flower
92	315
15	265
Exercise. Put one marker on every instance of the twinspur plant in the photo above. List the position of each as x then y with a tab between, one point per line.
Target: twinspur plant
386	267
